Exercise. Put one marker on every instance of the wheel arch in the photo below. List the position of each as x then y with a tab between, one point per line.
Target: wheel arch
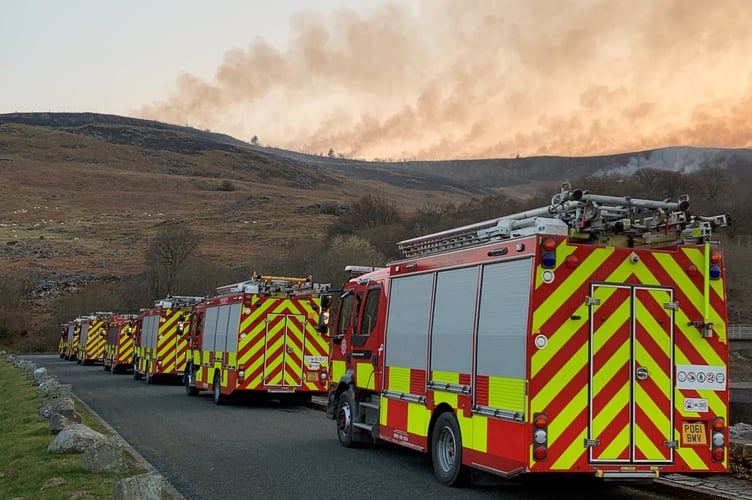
437	412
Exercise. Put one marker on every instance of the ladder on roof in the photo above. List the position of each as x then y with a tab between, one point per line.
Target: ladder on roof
582	216
176	301
275	286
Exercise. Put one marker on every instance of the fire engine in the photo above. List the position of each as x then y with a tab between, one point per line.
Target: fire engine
159	347
64	343
92	338
260	335
72	339
118	351
585	336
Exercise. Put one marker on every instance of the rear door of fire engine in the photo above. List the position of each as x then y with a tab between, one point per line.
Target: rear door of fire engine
631	359
284	347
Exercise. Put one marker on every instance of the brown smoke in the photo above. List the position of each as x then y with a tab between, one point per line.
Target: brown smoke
486	78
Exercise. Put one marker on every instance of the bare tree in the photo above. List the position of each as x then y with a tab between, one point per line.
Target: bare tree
166	255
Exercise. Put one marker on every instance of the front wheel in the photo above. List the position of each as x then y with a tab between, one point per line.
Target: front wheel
190	382
344	418
446	452
217	396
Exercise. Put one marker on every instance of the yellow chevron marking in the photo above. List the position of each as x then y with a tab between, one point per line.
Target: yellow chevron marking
647	446
552	389
693	460
616	446
697	257
562	252
580	275
616	404
506	393
399	380
692	333
573	452
559	424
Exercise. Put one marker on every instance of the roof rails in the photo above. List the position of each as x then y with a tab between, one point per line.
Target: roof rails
583	216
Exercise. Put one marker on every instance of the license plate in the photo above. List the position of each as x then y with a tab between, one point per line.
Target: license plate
694	433
312	376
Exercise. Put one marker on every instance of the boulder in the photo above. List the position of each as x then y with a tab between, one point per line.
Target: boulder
107	455
39	375
146	486
74	438
62	419
46	386
26	366
61	391
55	405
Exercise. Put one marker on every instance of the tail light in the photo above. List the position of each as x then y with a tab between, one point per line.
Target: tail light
548	254
718	439
540	437
715	264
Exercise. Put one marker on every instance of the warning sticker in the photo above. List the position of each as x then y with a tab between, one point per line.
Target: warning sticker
701	377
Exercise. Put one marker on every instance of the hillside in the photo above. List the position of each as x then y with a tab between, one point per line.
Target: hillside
83	194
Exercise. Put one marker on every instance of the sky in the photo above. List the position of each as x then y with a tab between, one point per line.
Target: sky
409	79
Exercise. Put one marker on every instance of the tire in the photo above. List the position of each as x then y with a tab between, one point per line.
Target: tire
344	418
190	382
148	376
106	367
217	396
446	452
114	369
62	355
136	375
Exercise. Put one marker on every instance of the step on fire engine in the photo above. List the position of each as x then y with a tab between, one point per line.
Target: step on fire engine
260	335
118	352
93	337
584	336
160	343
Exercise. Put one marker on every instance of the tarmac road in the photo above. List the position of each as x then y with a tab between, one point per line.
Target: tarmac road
263	449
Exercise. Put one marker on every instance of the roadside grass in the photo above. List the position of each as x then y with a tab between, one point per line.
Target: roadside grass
25	463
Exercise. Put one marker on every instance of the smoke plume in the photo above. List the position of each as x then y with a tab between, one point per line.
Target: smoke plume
487	78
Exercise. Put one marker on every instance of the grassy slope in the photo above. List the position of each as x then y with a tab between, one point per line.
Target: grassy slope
25	463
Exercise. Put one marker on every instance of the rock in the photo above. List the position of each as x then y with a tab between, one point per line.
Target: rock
107	455
46	386
55	405
74	438
53	483
144	487
61	391
26	366
61	420
39	375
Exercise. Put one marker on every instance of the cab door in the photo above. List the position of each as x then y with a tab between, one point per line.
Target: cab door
366	347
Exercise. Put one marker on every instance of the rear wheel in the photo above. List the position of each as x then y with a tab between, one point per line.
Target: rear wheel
446	452
136	374
219	398
148	376
344	418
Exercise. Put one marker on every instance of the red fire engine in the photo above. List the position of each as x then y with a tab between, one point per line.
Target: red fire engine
118	352
72	339
93	338
260	335
160	349
584	336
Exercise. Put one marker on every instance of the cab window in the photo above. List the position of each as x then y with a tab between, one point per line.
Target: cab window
370	312
345	313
